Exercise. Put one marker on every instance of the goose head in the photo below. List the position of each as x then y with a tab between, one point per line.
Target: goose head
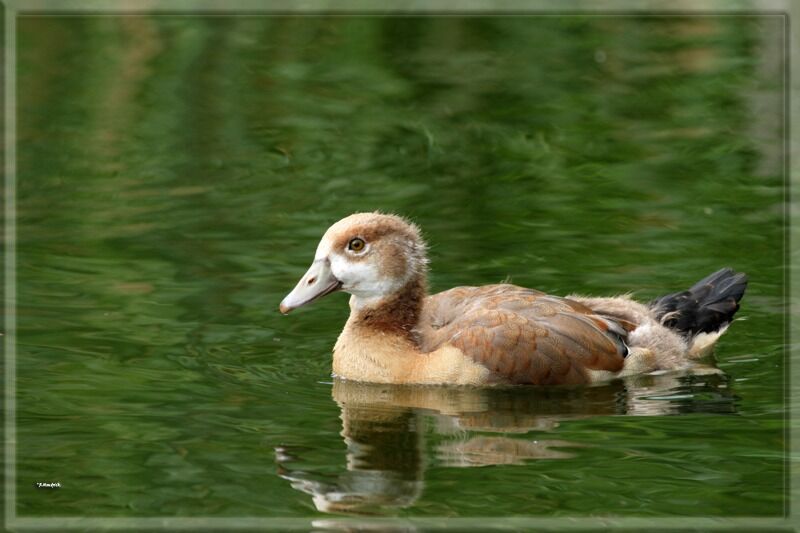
372	256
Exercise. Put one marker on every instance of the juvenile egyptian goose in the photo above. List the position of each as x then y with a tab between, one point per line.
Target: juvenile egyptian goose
493	334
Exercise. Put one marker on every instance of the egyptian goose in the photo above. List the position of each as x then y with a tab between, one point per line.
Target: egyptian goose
495	334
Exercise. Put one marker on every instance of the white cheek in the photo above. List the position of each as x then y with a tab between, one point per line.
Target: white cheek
361	278
352	274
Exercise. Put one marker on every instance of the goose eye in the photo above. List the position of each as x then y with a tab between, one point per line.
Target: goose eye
356	245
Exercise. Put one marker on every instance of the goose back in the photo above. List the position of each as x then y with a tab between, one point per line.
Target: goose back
522	335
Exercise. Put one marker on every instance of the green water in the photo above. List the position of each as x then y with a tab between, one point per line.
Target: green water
175	174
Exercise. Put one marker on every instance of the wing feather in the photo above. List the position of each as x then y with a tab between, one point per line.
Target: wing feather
522	335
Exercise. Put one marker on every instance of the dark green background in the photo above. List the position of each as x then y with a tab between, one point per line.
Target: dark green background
176	172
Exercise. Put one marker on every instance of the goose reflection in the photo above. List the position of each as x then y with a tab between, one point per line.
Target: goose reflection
384	428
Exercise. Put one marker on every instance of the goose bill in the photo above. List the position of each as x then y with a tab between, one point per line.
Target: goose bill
315	283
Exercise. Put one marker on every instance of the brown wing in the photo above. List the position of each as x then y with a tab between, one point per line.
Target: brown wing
522	335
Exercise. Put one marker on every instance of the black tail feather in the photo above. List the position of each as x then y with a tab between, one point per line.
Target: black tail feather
708	306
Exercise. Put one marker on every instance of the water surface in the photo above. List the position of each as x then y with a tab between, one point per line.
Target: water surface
176	172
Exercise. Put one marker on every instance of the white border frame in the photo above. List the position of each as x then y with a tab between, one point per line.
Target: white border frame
13	8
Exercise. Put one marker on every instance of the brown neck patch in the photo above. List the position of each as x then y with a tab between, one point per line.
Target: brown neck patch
399	314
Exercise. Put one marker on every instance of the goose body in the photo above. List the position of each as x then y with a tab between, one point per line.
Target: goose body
494	334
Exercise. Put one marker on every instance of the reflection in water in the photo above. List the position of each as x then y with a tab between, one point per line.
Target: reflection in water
363	488
384	429
384	462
